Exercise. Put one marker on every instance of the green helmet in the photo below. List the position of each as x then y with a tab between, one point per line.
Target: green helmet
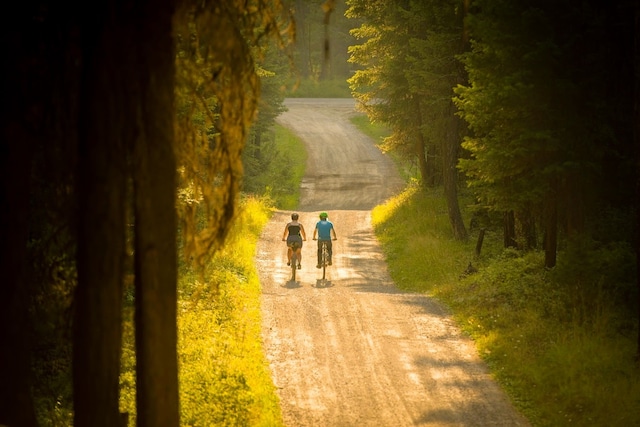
323	215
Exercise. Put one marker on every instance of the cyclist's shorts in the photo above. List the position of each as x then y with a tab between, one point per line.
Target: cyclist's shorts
297	240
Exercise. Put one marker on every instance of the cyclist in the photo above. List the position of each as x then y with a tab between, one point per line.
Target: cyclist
294	233
323	232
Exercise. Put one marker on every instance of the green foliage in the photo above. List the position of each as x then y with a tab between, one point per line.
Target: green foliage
379	132
52	392
600	278
224	378
408	54
328	88
539	104
277	171
234	43
561	342
52	279
414	230
376	131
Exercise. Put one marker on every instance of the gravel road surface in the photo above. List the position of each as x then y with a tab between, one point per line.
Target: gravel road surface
353	350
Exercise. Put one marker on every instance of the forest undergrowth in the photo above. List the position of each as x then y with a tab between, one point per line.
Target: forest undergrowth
560	342
224	378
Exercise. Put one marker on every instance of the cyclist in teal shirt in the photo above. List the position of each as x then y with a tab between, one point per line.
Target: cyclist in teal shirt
323	232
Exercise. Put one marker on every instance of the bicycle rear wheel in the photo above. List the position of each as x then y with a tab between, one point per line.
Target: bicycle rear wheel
294	265
325	259
294	261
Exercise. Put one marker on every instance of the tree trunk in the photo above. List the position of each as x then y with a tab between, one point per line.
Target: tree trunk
101	180
551	233
574	204
303	38
421	156
509	235
16	405
328	7
636	135
527	223
450	177
154	177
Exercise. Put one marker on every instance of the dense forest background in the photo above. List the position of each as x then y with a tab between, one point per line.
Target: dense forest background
115	115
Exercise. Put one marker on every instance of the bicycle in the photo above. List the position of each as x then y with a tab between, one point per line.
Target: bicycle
324	257
295	264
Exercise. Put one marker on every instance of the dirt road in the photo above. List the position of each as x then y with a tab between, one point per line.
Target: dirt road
355	351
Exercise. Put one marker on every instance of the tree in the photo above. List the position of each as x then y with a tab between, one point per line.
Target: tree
541	144
273	72
322	39
636	134
91	98
410	69
436	39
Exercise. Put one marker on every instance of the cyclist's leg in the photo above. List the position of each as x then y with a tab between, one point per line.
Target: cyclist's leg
319	254
298	251
289	253
330	251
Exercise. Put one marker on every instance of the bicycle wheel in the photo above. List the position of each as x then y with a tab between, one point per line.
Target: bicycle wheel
294	262
325	259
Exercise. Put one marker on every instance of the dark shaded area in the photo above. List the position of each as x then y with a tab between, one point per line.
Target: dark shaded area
86	124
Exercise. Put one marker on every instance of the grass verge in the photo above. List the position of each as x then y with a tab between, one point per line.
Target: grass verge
564	358
223	374
559	342
313	88
294	160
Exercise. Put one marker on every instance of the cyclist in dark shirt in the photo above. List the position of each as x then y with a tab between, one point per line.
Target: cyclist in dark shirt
294	233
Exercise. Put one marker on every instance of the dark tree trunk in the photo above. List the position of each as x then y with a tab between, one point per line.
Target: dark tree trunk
526	220
450	177
328	7
16	406
154	178
509	234
303	39
574	205
479	241
101	178
421	147
550	233
421	156
636	135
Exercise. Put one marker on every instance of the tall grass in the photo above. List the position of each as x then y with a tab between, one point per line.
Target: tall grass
292	168
223	376
314	88
565	358
560	343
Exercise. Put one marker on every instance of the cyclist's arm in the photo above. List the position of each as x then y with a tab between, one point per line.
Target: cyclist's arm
315	233
303	233
286	229
333	231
